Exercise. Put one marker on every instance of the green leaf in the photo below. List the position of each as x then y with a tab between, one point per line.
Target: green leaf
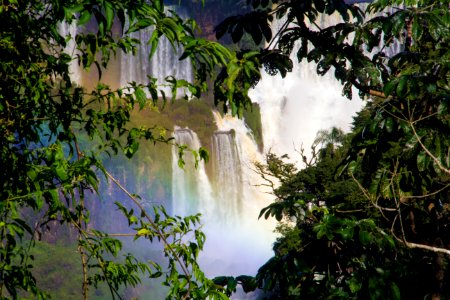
231	284
422	161
354	284
154	40
32	174
401	87
84	17
390	87
143	231
109	15
396	295
346	233
61	172
351	168
203	153
365	237
417	29
389	124
141	97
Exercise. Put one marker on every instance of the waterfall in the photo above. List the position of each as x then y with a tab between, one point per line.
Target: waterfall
298	106
191	190
69	31
237	243
163	63
227	175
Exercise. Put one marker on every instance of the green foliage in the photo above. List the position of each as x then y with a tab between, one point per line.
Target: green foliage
53	260
333	244
255	23
56	134
252	118
392	195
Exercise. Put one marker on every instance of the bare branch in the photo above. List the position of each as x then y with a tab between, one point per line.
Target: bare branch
423	246
427	195
426	247
349	211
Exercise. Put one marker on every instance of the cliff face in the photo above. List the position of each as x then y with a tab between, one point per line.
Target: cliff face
209	15
207	23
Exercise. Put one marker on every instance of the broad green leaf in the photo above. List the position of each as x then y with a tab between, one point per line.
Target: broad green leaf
365	237
143	231
154	40
351	168
422	161
417	28
141	97
390	87
84	17
389	125
109	15
402	86
61	172
346	233
354	284
396	295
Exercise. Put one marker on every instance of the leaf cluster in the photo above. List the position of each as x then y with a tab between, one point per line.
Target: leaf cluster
54	135
396	55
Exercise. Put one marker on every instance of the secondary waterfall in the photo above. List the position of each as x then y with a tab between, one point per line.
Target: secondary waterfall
191	190
70	31
163	63
237	243
227	175
302	103
241	243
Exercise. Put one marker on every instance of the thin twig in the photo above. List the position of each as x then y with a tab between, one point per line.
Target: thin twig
371	198
157	230
434	158
80	248
427	195
349	211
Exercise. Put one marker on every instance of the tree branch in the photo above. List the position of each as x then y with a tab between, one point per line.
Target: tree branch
426	247
158	232
434	158
427	195
366	194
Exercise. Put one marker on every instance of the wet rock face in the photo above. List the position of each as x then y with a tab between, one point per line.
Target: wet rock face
213	13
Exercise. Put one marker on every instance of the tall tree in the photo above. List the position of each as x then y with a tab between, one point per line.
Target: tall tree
396	54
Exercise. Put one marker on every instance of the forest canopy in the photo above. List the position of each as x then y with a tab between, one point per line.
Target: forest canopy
368	217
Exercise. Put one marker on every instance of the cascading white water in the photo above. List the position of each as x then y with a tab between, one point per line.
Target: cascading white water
237	243
69	31
191	190
227	176
163	63
243	244
301	104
